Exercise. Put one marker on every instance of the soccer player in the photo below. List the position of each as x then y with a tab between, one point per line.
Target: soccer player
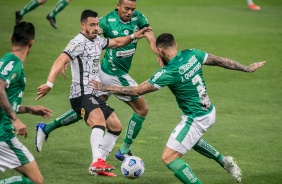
182	73
115	66
51	17
83	52
252	5
13	154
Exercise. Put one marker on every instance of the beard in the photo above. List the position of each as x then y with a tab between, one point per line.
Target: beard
164	61
89	35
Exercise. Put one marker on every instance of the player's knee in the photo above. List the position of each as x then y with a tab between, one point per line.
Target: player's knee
39	180
42	2
143	111
165	159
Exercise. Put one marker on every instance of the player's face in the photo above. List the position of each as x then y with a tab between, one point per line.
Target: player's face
90	27
126	9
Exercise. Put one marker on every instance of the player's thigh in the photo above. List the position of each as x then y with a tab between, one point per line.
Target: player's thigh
170	154
187	134
96	117
13	154
125	80
113	123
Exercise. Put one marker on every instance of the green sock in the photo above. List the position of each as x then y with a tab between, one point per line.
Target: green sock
134	127
207	150
16	180
183	172
30	6
65	119
61	4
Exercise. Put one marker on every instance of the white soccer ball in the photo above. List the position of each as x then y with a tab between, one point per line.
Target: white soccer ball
132	167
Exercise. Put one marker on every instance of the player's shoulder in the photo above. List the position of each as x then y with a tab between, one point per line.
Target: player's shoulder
10	57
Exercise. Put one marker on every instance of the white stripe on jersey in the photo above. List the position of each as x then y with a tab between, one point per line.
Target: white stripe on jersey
85	64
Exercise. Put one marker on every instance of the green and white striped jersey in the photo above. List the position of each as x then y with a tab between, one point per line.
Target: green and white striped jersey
117	61
183	75
11	71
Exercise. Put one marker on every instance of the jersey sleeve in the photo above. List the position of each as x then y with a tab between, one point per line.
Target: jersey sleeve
143	21
102	25
10	71
104	42
161	78
74	48
201	55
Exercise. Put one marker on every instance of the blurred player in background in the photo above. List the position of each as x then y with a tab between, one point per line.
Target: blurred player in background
182	73
13	154
51	17
252	6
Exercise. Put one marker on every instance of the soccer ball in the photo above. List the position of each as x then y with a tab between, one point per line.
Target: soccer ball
132	167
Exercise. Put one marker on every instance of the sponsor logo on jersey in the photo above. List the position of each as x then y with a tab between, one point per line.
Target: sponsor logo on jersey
20	94
115	32
182	69
14	76
112	19
126	53
158	74
136	28
134	18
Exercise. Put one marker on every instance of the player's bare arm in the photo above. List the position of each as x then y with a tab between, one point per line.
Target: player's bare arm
151	40
4	102
35	110
143	88
56	69
124	40
231	64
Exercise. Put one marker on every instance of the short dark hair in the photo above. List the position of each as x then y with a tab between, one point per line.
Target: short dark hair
88	13
165	40
121	1
23	33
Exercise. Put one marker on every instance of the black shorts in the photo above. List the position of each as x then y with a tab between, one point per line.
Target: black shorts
85	104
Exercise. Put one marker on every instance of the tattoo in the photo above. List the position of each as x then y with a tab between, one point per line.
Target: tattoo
143	88
4	102
24	109
225	63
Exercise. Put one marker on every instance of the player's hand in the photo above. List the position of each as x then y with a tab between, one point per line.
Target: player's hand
41	111
253	67
98	86
140	33
20	127
42	91
63	71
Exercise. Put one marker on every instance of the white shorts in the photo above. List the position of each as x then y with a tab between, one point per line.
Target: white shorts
13	154
113	80
185	136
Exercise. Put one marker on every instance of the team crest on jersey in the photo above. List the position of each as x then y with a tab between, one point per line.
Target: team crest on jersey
115	32
126	32
82	112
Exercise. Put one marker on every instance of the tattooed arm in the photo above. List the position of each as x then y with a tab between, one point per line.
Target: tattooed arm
231	64
143	88
4	102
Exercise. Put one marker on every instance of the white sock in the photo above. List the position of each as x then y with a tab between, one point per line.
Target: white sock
108	144
250	2
96	141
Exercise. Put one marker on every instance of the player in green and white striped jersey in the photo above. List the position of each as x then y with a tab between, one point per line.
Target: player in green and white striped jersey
182	73
13	154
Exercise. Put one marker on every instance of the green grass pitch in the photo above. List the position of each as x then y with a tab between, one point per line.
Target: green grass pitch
248	125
